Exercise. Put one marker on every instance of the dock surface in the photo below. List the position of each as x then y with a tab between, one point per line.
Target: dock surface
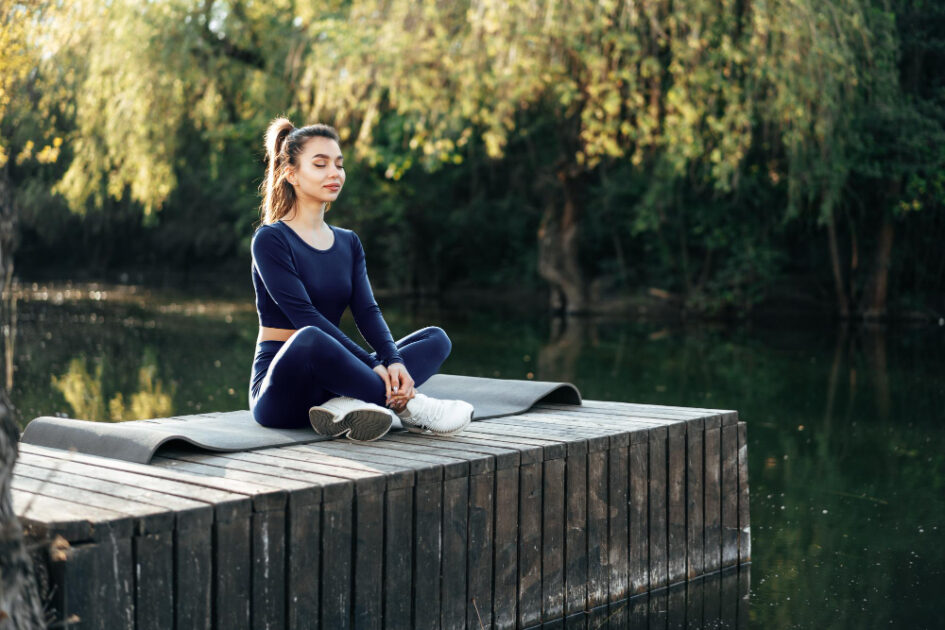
515	522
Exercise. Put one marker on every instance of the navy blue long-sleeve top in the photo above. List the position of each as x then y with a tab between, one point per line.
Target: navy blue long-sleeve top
298	285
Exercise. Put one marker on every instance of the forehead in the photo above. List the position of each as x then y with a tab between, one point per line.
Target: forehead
321	146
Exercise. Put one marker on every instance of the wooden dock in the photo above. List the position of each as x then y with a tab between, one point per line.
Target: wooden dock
516	522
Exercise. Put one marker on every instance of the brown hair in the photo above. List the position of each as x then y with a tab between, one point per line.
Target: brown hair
283	144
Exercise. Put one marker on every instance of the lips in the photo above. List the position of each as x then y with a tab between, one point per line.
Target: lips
334	187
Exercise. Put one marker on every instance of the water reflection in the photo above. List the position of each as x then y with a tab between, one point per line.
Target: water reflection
83	391
846	439
719	601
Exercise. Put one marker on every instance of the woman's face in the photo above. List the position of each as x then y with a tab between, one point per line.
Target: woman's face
319	174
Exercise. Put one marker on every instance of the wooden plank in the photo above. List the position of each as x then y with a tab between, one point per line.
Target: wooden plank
618	497
598	555
226	505
232	568
368	580
658	508
336	571
154	581
455	518
506	547
695	511
268	570
479	545
428	516
193	577
676	503
639	613
744	513
712	486
575	539
97	582
712	602
530	520
729	514
44	518
147	518
398	553
552	545
743	621
638	559
303	566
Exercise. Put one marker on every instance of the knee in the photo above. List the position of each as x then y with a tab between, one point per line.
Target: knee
313	340
440	340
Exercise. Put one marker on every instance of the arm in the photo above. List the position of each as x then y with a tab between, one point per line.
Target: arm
277	270
367	314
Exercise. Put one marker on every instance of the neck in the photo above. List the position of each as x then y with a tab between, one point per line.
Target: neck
309	215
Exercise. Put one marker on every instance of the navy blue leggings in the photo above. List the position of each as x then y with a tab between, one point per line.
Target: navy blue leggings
292	376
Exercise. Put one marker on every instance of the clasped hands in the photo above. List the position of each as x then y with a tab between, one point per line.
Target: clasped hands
399	385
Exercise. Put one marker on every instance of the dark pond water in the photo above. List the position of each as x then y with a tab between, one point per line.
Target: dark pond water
846	426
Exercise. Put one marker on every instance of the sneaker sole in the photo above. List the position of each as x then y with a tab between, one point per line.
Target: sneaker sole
427	430
364	425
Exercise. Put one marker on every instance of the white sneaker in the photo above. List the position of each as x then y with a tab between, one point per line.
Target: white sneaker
432	415
361	421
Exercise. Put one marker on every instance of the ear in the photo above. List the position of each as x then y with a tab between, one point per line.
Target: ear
290	176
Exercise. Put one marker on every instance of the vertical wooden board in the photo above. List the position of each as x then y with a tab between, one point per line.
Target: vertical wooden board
575	540
676	608
713	500
479	559
80	586
552	540
658	609
694	605
428	511
617	498
729	596
676	504
453	572
337	542
658	508
114	586
398	554
506	548
639	544
154	580
303	567
729	495
598	555
231	568
576	622
368	556
529	545
695	512
268	577
744	514
193	578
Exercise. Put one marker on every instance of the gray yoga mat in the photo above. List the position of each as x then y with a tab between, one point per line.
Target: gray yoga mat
139	440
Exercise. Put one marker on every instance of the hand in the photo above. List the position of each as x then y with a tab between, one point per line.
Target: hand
401	386
382	372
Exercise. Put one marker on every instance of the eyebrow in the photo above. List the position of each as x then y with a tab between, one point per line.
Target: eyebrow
327	157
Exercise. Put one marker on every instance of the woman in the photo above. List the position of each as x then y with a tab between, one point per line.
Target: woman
306	273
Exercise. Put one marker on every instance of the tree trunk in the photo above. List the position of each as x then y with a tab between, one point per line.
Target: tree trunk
558	259
879	286
843	303
20	606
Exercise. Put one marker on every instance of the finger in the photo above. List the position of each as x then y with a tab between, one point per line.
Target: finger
394	380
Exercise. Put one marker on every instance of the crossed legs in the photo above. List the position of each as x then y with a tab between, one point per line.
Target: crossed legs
312	367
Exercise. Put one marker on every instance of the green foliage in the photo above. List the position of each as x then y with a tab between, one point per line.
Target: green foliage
707	144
